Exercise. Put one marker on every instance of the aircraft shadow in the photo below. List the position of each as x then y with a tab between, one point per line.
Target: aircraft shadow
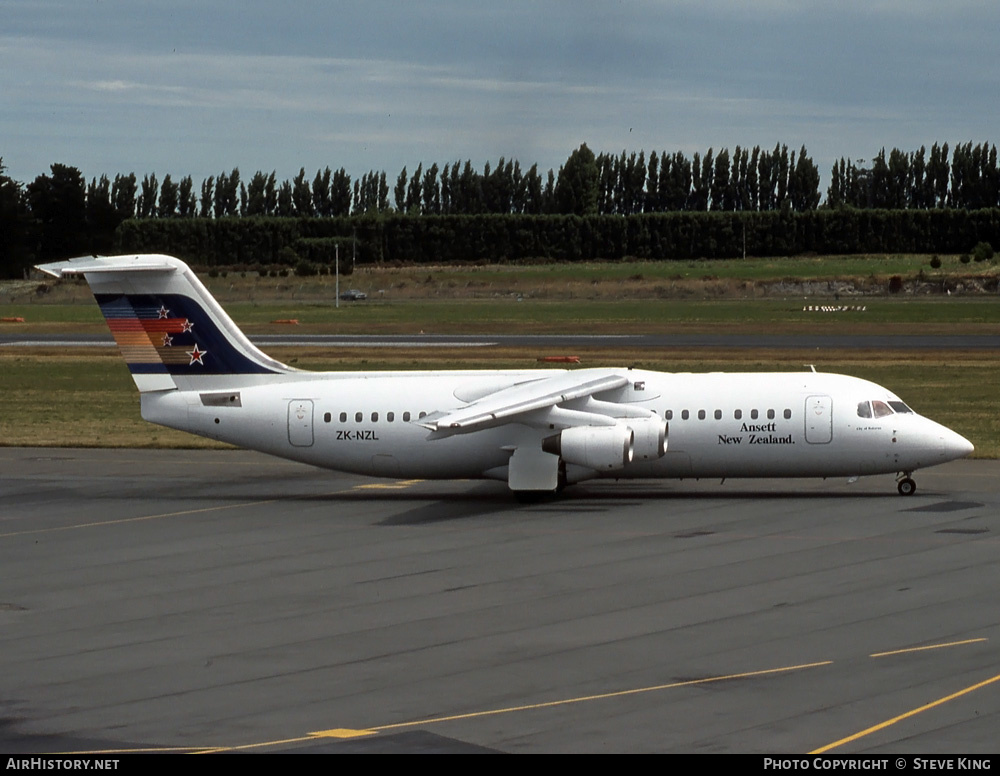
497	493
483	501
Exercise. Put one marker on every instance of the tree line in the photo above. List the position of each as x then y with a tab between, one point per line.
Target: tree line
919	180
263	242
60	214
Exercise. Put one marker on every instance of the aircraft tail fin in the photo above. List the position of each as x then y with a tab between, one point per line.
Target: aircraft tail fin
169	328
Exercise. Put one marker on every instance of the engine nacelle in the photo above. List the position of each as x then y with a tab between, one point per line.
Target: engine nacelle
650	438
603	448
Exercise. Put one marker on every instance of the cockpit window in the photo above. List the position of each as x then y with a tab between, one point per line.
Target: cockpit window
864	410
899	406
881	409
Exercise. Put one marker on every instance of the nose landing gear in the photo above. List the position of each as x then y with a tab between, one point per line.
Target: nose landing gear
905	485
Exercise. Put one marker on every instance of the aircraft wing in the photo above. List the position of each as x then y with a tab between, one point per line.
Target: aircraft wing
518	402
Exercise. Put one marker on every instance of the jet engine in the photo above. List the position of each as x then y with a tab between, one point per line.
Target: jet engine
650	438
603	448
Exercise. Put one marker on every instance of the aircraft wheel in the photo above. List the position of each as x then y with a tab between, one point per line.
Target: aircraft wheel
906	487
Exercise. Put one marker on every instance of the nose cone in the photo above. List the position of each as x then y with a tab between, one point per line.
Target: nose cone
958	446
950	446
927	443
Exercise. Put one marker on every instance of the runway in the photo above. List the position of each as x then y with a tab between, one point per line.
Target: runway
699	340
225	601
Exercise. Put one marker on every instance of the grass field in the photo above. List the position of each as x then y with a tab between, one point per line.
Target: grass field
912	316
590	278
86	397
755	295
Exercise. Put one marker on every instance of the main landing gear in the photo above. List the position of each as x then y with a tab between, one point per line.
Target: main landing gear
905	485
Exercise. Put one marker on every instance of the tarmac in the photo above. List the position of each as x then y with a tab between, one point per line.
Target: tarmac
672	340
194	601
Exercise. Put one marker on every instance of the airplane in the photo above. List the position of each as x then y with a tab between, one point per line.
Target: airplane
538	430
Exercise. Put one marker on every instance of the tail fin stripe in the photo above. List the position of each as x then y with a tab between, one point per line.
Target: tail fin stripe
171	333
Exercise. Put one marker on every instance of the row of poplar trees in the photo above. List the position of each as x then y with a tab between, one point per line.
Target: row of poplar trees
61	214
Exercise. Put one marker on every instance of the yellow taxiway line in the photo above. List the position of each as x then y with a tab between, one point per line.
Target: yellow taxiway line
906	715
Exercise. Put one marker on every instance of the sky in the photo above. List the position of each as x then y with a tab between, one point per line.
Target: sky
195	87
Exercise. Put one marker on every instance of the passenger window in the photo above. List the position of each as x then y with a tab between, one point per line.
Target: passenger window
881	409
701	414
738	414
788	414
864	410
770	414
374	417
669	415
358	417
753	414
421	415
327	417
406	417
685	414
343	417
390	416
718	414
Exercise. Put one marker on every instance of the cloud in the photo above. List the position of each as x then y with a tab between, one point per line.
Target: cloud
191	88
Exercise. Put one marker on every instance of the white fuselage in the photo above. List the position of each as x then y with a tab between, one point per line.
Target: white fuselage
802	424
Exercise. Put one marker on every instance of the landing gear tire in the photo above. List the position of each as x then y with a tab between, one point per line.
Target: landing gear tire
906	487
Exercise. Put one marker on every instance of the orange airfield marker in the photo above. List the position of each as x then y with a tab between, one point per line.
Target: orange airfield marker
560	359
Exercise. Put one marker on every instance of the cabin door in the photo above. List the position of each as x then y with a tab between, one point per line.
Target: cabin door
819	420
300	422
